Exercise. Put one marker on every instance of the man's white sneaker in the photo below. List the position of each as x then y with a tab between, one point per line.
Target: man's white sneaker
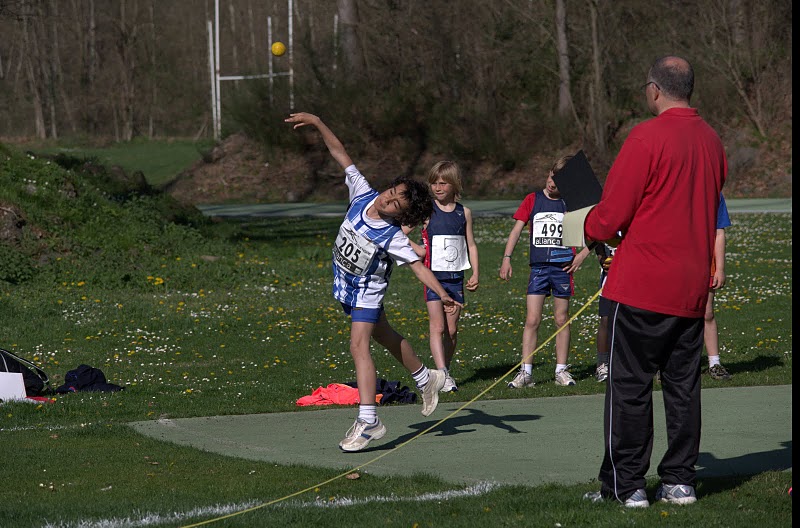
676	494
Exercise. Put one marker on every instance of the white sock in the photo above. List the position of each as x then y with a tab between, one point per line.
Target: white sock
713	360
527	368
367	413
560	367
421	376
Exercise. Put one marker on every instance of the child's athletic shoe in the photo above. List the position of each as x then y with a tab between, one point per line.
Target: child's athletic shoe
564	378
521	380
676	494
361	434
601	373
718	372
594	496
449	384
430	392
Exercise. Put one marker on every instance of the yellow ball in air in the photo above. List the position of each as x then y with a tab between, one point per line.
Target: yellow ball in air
278	49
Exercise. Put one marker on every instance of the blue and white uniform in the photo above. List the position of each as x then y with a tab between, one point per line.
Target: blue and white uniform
365	249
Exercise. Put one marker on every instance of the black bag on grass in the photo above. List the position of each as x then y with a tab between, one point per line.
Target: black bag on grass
86	378
36	381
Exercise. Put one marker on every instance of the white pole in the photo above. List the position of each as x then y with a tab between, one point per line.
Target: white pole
212	78
269	43
291	60
216	66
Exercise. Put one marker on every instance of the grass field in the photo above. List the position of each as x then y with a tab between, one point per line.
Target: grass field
159	160
253	327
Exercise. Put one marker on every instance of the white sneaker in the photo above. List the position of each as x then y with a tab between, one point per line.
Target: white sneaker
564	378
430	393
449	384
601	374
637	500
521	380
360	434
676	494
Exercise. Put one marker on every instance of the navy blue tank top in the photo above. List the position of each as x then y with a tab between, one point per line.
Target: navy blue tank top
546	231
444	223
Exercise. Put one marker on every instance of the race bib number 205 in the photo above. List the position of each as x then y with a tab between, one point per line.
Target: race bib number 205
353	252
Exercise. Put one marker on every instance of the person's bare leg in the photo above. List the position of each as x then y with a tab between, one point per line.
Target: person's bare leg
450	336
533	318
360	333
711	331
396	344
437	326
560	318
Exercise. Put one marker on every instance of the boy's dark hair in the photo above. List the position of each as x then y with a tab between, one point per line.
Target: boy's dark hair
420	206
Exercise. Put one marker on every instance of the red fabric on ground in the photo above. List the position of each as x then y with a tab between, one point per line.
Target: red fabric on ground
333	394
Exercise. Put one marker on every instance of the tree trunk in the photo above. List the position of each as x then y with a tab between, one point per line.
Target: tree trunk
253	53
31	69
92	41
352	54
565	106
153	73
598	104
126	42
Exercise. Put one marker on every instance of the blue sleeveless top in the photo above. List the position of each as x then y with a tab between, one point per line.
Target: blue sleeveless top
444	223
546	231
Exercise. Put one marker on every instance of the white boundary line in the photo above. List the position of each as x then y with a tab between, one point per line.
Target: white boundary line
153	519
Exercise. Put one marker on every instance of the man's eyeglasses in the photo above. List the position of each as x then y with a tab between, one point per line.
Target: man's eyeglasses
645	85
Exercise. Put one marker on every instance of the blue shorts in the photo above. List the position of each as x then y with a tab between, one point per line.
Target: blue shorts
363	315
453	287
604	308
547	279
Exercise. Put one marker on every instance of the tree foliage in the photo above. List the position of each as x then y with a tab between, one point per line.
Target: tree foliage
472	78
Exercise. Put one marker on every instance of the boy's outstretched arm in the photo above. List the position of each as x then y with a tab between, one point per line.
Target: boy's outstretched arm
426	277
335	146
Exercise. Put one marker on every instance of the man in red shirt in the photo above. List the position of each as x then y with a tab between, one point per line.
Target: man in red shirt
661	197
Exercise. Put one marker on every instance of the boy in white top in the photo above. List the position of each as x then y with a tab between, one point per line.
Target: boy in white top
370	241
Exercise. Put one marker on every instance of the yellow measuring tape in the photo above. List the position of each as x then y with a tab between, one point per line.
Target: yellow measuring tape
403	444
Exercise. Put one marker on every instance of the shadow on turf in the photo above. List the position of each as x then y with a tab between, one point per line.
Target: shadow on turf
756	364
750	464
460	424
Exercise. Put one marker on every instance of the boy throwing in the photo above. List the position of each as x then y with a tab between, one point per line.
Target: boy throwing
370	241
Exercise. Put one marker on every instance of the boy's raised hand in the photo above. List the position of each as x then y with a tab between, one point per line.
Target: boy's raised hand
331	141
301	119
